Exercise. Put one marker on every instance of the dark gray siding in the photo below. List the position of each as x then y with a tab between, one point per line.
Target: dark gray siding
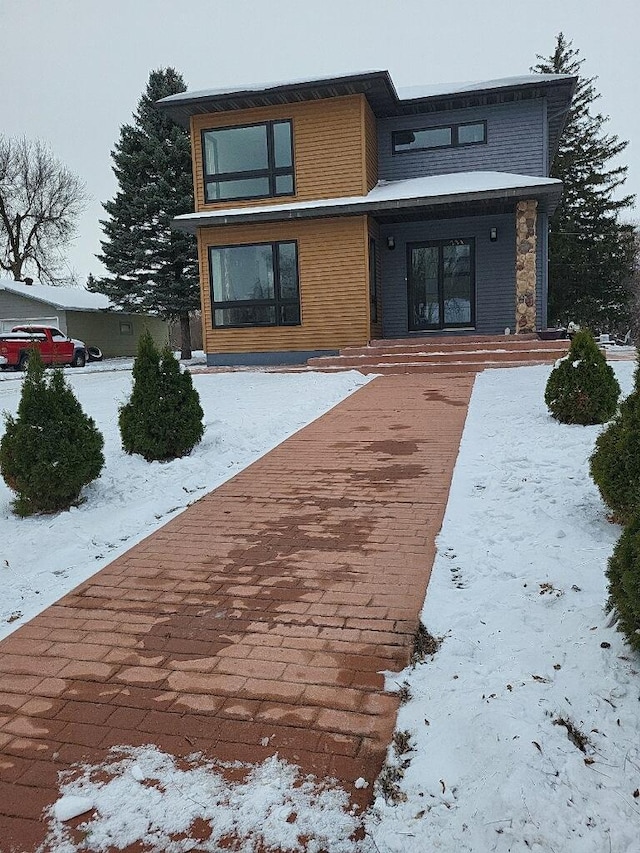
516	142
494	265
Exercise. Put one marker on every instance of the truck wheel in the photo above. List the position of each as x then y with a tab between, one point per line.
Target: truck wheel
79	360
24	361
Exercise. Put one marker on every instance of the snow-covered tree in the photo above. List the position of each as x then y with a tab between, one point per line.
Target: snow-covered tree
590	250
153	268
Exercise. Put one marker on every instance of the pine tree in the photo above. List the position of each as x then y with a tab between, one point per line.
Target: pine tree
591	252
582	387
623	574
51	449
163	418
615	462
153	267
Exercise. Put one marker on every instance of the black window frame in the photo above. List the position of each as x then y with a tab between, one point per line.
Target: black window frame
440	245
277	302
454	136
271	172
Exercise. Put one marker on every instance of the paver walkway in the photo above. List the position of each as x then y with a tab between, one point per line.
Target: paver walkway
258	621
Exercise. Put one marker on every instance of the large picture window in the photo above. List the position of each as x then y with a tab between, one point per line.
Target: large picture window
252	161
255	285
447	136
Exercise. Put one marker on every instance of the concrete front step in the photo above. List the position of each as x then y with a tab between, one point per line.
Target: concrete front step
400	367
544	356
450	339
440	345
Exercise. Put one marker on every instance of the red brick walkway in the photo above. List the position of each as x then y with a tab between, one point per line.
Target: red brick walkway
256	622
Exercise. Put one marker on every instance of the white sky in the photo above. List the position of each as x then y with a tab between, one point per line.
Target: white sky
71	71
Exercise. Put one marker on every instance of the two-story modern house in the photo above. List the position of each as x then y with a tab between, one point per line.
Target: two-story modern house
330	212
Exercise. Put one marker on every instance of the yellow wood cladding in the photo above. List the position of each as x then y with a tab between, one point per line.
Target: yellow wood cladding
370	147
334	288
335	148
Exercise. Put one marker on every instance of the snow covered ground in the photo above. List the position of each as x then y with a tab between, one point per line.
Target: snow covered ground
246	415
517	595
528	655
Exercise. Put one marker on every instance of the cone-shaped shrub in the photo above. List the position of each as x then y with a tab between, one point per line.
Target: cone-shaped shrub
163	418
582	388
615	463
51	449
624	583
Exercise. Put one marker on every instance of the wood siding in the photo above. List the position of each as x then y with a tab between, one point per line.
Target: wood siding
334	286
370	137
334	156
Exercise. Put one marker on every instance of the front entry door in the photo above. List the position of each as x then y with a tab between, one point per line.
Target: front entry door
441	285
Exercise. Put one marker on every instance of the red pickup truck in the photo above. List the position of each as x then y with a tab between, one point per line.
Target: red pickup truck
54	347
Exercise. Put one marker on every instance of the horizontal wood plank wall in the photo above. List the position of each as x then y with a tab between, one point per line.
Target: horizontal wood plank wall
328	148
334	288
370	147
373	230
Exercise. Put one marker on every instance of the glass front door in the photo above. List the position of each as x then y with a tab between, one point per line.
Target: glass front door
441	285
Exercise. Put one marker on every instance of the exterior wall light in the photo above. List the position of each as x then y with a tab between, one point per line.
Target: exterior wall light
391	243
493	234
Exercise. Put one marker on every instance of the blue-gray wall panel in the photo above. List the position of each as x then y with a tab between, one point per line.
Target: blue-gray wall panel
516	142
494	265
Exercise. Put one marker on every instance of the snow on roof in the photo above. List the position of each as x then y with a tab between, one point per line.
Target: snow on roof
405	93
69	298
410	93
432	187
263	87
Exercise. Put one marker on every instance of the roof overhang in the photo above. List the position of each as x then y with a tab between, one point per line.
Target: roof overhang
383	205
381	93
377	86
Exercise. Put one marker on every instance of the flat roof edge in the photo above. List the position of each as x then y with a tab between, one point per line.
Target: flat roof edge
191	224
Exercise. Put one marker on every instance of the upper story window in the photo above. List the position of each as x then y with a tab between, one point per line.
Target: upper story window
447	136
252	161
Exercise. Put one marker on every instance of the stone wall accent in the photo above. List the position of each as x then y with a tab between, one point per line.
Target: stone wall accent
526	217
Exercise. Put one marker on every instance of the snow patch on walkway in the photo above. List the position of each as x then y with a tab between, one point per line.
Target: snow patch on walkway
142	795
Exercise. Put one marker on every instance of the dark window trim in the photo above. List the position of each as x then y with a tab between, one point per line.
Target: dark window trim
472	271
276	302
271	172
454	136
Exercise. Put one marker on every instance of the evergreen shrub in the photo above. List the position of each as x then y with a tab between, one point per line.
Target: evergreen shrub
615	462
623	573
163	418
582	388
51	449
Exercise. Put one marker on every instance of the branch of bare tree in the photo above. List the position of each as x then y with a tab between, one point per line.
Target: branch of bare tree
40	202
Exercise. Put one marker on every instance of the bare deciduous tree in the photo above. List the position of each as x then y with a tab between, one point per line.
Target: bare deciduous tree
40	201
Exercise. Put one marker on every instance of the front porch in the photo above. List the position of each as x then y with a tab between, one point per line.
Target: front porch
477	269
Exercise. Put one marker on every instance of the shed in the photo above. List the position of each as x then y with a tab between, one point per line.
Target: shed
78	313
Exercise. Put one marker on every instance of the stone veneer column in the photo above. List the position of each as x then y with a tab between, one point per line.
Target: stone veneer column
526	216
